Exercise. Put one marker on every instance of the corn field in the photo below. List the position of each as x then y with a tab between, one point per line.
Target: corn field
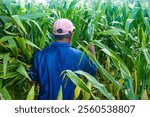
120	31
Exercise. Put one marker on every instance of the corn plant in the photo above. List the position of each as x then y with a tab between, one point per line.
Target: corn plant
120	32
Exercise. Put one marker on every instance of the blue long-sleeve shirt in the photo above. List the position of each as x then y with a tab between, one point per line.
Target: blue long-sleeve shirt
50	62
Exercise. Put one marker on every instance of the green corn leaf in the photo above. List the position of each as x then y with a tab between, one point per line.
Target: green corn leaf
11	82
77	92
10	33
128	83
112	54
22	44
8	25
13	47
8	6
31	93
32	44
1	84
33	16
90	31
144	95
9	75
125	9
73	3
124	49
18	22
134	12
114	31
147	55
127	26
148	78
96	84
5	62
96	5
21	69
10	67
123	68
77	30
116	22
5	38
86	96
70	11
100	67
140	71
43	39
147	24
37	26
76	80
60	94
6	94
143	37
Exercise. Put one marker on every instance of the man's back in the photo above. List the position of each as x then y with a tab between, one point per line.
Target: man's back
49	64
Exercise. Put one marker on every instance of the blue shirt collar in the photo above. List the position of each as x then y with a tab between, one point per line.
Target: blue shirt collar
64	44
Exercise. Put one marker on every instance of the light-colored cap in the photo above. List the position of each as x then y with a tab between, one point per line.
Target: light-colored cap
63	26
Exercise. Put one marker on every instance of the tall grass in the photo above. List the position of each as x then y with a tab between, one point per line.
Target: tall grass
119	31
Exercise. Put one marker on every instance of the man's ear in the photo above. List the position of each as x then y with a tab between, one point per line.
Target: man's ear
68	40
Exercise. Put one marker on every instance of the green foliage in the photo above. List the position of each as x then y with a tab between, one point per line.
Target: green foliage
120	33
31	93
60	94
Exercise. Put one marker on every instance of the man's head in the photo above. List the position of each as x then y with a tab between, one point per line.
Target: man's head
63	30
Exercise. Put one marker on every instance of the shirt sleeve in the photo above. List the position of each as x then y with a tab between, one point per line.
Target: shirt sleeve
89	66
33	72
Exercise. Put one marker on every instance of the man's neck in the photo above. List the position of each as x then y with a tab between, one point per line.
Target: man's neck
63	40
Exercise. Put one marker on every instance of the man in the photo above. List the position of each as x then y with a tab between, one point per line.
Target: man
59	56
